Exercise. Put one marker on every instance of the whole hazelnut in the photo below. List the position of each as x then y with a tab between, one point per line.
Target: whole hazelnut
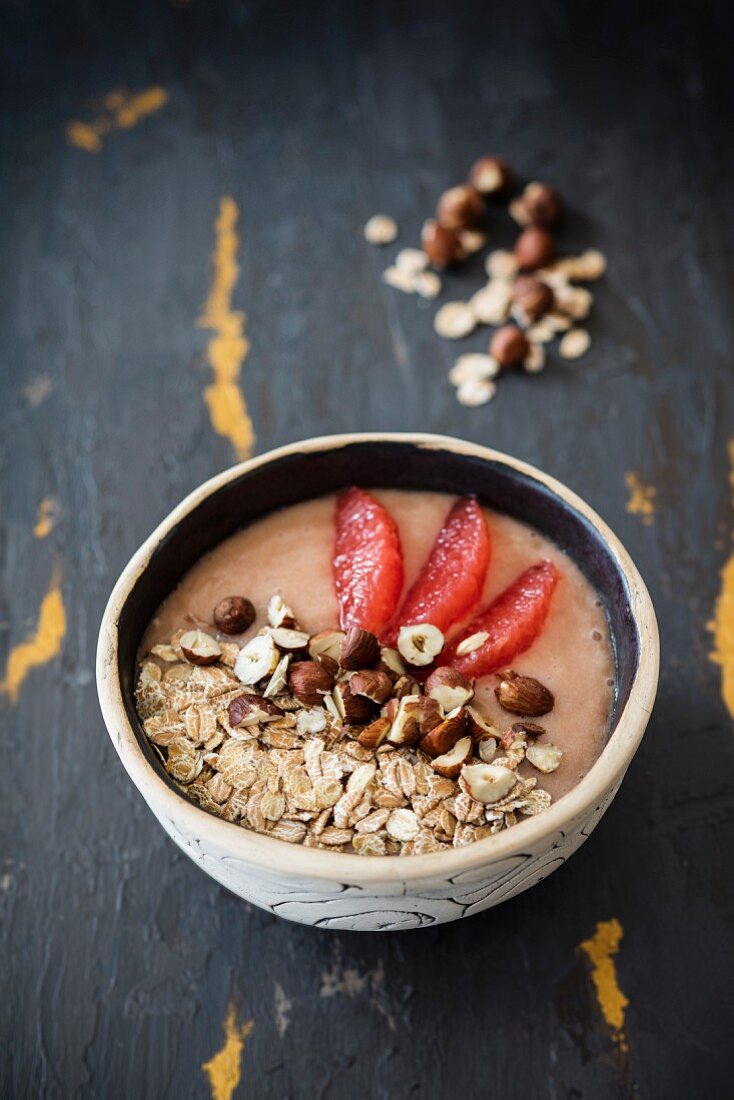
523	695
509	346
461	207
533	296
530	729
490	175
360	649
309	682
534	248
233	615
442	246
542	205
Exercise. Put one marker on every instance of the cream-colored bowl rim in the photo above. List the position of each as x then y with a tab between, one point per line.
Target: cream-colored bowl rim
294	860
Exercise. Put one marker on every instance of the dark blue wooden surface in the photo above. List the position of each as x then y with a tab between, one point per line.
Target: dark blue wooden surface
120	958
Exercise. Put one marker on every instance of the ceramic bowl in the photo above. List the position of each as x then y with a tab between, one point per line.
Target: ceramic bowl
333	889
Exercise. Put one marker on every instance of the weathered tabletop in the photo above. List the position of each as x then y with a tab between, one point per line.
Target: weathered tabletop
126	971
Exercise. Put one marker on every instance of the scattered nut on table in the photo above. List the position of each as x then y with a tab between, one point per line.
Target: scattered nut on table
529	284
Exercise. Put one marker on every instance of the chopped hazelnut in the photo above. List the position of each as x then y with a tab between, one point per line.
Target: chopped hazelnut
200	648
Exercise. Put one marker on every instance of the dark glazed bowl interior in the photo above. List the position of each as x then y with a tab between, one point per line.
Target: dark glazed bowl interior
388	464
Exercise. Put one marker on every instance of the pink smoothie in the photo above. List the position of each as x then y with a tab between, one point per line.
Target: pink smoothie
289	553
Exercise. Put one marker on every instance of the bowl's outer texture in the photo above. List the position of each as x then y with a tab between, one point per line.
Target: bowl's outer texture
334	889
394	904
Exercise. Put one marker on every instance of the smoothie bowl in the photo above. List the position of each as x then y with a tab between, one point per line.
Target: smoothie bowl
379	681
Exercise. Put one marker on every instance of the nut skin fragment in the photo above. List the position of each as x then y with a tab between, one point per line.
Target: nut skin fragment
530	729
534	248
199	648
444	736
373	684
523	695
542	204
533	296
309	682
491	175
360	649
509	346
234	615
461	207
442	246
449	764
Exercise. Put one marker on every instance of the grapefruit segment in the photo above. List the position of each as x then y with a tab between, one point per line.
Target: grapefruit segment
450	583
367	563
512	622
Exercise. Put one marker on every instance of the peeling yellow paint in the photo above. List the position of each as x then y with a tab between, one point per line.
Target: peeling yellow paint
600	949
121	111
42	646
87	135
229	346
130	111
46	519
225	1067
722	625
642	497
